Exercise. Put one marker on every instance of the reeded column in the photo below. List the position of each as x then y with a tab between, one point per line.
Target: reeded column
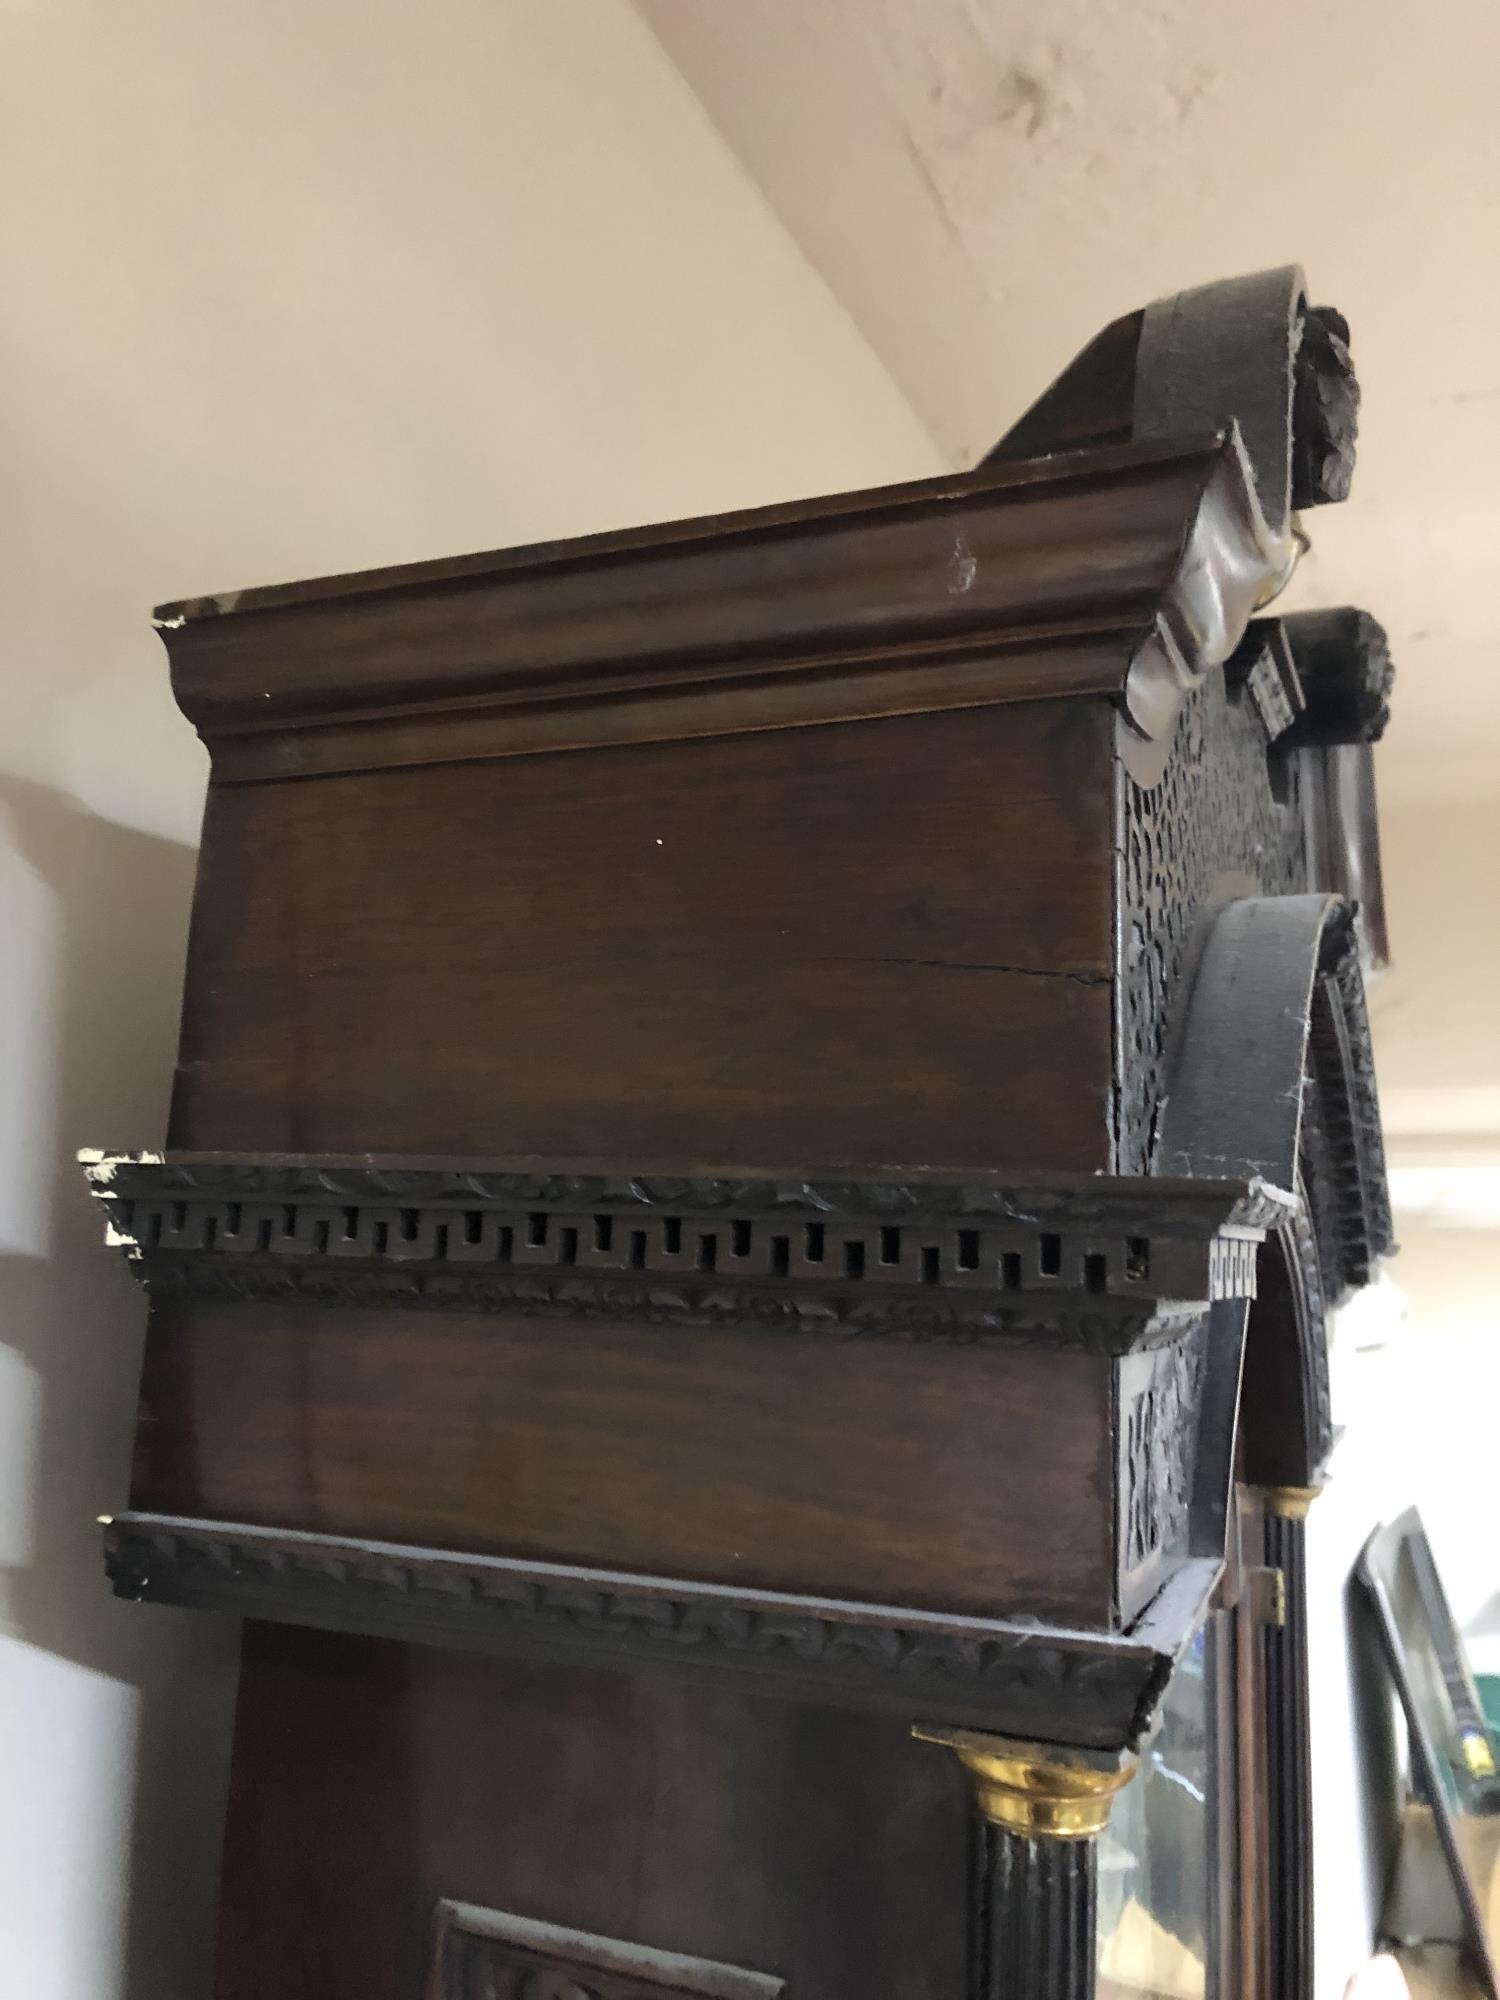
1042	1808
1289	1744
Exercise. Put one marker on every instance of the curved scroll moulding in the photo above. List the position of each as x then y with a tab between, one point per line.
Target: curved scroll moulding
1273	1074
1247	350
1247	357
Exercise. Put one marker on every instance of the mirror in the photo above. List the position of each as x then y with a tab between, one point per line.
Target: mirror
1451	1829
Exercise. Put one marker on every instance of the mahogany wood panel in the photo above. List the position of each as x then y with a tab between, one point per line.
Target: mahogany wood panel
876	942
956	1478
371	1779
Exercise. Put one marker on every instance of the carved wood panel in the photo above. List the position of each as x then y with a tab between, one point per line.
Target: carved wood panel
1211	826
481	1954
1160	1395
1100	1263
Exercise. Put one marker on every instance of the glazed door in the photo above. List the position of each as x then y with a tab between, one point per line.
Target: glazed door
1183	1865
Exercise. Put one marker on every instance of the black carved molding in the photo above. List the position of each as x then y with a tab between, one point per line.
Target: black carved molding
1325	410
483	1954
1342	832
1332	1243
500	654
1286	1407
1096	1689
1273	1074
1223	822
1104	1264
1249	349
1341	1070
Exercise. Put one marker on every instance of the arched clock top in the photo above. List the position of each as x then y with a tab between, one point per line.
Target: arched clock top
1249	351
1274	1074
1267	790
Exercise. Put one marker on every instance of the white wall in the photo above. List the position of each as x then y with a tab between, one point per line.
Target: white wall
289	288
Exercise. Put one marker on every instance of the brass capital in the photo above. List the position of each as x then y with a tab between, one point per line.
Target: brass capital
1042	1790
1290	1502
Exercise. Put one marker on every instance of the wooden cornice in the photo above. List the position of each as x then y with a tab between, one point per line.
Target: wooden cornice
1122	572
1096	1689
1085	1261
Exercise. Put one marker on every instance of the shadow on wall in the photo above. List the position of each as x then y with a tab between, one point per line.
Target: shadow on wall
91	1062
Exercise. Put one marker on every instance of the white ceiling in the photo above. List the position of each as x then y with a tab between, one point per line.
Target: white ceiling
984	183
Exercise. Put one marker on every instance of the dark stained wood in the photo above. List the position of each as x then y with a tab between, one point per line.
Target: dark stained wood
1039	1934
373	1779
1288	1762
877	838
1343	660
1091	404
1343	838
1275	1074
1160	1401
1090	1263
482	1954
960	1479
1284	1434
817	944
1094	1689
765	549
1251	1778
1249	350
1325	410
